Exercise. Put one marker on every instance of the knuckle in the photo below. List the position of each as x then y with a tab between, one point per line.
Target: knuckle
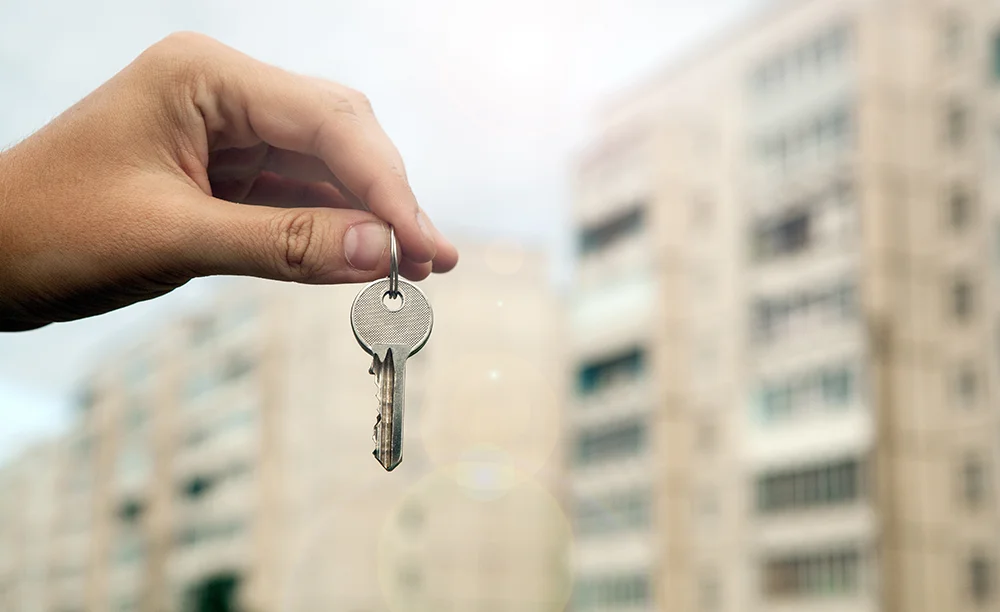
346	101
299	244
179	45
179	58
359	101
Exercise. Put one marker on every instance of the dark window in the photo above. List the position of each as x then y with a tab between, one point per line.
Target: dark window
217	593
981	579
202	329
237	366
707	434
966	384
996	57
197	486
813	574
86	398
600	236
611	592
775	317
412	517
609	443
815	486
130	511
710	592
410	577
607	372
784	236
837	386
961	299
959	208
613	512
958	124
973	481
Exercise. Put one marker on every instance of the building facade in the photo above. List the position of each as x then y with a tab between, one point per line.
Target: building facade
224	461
28	507
785	324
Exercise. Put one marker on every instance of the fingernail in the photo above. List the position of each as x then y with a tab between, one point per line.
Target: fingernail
364	245
425	226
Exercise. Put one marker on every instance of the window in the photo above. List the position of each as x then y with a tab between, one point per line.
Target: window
829	484
193	534
837	385
996	57
237	366
610	371
609	443
829	387
974	481
799	65
955	34
782	237
198	486
411	517
130	549
136	415
780	316
201	330
709	596
605	234
812	574
410	577
130	511
980	578
620	511
707	434
957	124
86	397
966	385
611	591
961	299
959	208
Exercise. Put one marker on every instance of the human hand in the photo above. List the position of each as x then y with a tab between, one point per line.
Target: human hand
145	184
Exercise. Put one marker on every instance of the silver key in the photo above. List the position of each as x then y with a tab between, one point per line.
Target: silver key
392	320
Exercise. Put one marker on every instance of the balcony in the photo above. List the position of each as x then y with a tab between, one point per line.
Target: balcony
621	399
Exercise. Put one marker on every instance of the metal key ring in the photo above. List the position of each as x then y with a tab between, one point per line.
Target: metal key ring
393	264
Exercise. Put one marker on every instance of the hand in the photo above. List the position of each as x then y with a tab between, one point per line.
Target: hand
198	160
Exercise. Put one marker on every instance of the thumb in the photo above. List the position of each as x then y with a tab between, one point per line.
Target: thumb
307	245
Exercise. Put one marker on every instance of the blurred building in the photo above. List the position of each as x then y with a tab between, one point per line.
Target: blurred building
28	504
224	462
784	328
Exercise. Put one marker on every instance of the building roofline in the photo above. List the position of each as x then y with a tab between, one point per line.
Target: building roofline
714	42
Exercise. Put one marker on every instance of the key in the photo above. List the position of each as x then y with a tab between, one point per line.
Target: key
391	328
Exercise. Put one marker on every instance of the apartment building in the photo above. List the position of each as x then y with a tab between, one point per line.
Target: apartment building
785	328
224	461
27	510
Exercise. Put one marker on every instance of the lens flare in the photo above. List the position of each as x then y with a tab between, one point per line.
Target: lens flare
469	532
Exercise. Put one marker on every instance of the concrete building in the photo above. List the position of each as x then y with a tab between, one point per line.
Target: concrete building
228	456
28	506
785	321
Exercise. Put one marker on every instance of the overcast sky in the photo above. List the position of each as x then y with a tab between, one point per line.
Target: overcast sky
486	99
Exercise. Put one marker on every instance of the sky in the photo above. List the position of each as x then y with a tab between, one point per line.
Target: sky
487	100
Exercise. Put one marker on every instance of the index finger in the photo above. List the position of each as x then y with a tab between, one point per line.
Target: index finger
243	99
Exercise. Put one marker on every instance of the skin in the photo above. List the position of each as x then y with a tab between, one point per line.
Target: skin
197	160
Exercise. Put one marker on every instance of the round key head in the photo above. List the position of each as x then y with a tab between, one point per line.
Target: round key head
380	320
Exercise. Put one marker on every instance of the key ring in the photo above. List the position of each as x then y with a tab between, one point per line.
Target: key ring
393	264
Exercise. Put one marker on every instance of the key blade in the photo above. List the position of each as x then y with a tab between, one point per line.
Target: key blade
389	368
